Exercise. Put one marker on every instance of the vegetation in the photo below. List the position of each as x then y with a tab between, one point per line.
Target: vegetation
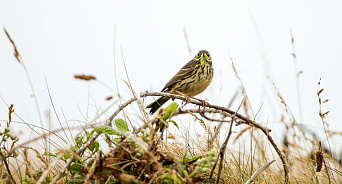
119	152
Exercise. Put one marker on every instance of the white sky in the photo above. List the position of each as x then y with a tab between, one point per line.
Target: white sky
58	39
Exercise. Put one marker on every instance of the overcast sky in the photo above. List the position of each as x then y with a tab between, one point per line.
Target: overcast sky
58	39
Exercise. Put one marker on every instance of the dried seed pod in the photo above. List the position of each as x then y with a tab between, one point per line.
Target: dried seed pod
319	158
84	77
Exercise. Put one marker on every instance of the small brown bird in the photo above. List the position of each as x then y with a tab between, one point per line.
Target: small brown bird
191	80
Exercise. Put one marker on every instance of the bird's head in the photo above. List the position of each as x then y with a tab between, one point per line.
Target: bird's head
203	57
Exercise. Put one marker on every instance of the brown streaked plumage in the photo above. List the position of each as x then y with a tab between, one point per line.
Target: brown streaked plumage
192	79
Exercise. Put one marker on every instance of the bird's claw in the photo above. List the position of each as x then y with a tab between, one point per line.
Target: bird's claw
204	103
187	98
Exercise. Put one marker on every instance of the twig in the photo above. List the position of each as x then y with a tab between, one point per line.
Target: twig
238	121
121	107
224	147
223	150
211	119
212	138
245	121
259	171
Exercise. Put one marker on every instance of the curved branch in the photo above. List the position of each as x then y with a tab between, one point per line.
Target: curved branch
217	109
230	113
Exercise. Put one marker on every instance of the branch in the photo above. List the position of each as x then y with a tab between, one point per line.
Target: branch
216	109
224	113
230	113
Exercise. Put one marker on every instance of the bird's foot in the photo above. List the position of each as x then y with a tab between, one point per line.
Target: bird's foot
204	103
187	98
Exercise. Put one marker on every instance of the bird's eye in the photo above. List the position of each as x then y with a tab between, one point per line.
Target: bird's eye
208	55
199	54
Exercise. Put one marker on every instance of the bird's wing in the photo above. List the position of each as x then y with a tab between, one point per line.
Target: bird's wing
186	70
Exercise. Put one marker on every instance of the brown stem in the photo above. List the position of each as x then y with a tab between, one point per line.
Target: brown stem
231	113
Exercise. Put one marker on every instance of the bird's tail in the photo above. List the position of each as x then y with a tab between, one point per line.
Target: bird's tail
156	104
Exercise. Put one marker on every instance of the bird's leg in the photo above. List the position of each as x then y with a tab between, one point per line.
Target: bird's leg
204	103
187	99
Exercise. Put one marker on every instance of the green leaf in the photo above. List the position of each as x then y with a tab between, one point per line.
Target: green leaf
107	129
75	167
94	147
174	123
79	141
170	110
194	158
97	145
50	154
185	157
78	179
65	156
121	125
89	134
117	139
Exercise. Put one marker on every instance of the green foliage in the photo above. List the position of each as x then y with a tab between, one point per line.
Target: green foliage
39	174
106	129
168	113
65	156
120	124
174	123
205	163
186	159
77	179
171	179
76	167
49	154
145	135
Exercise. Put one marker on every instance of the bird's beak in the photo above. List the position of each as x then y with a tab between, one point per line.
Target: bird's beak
203	58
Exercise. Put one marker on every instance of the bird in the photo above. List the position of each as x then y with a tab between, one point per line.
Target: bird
192	79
